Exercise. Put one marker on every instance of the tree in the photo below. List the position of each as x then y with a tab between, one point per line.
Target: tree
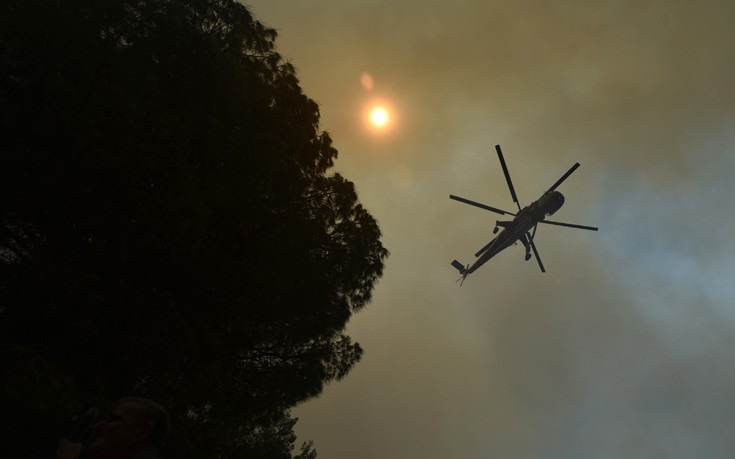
169	225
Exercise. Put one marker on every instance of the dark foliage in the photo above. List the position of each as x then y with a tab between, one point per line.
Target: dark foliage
168	224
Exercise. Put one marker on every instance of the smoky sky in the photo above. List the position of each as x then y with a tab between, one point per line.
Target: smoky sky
623	348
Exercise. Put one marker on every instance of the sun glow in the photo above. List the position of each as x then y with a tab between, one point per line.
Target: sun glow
379	117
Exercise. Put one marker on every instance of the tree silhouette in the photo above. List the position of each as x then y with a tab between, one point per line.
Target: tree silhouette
169	225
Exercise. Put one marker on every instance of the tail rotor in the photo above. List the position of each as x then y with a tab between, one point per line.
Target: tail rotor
463	270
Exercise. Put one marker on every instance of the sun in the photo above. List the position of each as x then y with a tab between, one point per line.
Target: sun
379	117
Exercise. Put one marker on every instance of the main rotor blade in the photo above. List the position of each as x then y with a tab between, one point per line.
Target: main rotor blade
564	177
481	206
569	225
535	253
507	176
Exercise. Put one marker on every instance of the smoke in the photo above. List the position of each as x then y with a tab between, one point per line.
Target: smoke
622	348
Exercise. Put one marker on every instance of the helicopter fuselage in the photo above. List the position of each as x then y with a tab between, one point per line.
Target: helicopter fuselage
522	223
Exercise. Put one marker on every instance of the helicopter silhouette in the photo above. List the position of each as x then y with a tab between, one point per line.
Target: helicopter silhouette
523	226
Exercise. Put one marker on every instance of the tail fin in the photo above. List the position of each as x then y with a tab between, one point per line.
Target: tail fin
459	266
464	271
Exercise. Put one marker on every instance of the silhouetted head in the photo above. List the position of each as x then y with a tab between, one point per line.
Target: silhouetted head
135	426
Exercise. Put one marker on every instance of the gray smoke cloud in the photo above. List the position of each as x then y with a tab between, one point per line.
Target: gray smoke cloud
622	349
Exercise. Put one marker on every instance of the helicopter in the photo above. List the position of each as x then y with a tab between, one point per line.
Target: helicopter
523	226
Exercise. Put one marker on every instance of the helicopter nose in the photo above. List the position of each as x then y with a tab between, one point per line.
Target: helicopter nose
554	202
558	197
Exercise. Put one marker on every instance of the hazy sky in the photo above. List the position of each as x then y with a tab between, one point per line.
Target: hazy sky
624	347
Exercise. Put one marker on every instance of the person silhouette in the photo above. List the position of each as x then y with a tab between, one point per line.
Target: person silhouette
136	429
